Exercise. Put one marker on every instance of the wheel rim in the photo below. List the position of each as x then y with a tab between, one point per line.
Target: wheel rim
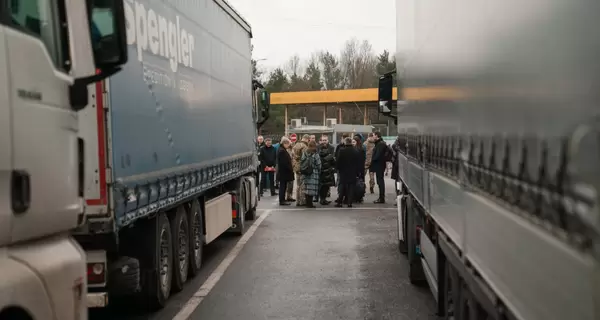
164	261
183	250
197	238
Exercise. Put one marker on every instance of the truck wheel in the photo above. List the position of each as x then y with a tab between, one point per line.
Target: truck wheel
180	230
124	276
14	313
157	287
196	238
251	214
247	198
257	188
240	220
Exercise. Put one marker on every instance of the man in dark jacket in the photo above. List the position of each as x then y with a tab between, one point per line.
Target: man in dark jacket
348	171
268	160
378	164
327	176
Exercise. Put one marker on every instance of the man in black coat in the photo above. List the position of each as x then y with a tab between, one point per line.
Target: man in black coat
285	171
268	160
348	170
327	175
378	164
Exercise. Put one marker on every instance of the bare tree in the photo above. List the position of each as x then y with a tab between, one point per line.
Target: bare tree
256	73
358	64
295	72
293	66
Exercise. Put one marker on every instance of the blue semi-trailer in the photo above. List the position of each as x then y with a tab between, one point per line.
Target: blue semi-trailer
170	160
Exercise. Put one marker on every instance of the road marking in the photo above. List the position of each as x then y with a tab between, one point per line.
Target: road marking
216	275
333	209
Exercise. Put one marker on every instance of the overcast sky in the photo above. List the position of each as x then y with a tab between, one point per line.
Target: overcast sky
282	28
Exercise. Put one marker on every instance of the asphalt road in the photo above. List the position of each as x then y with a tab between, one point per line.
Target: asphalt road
329	263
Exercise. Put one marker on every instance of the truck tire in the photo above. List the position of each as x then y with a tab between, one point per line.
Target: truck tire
180	232
251	213
257	185
196	239
124	276
247	198
240	220
14	313
159	251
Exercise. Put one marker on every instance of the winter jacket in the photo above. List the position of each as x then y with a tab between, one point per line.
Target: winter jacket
297	152
362	159
349	165
369	147
258	149
327	176
267	156
311	182
285	171
378	162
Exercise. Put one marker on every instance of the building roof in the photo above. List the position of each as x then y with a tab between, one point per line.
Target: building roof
363	95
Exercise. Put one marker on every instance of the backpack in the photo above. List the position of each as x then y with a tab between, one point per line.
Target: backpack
306	166
388	154
359	190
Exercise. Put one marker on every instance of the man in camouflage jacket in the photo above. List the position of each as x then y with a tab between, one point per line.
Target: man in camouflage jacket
369	147
297	152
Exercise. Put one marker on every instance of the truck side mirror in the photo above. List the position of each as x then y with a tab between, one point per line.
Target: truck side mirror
265	98
265	102
108	33
385	94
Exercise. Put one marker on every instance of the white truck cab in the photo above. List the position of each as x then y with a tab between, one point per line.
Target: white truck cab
50	50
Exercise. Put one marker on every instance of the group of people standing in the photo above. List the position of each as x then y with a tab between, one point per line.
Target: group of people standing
313	167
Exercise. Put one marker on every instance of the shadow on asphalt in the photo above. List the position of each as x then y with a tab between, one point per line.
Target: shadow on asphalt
131	309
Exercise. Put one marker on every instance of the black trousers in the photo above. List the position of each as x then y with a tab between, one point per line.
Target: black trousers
323	191
263	181
282	191
346	193
380	183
